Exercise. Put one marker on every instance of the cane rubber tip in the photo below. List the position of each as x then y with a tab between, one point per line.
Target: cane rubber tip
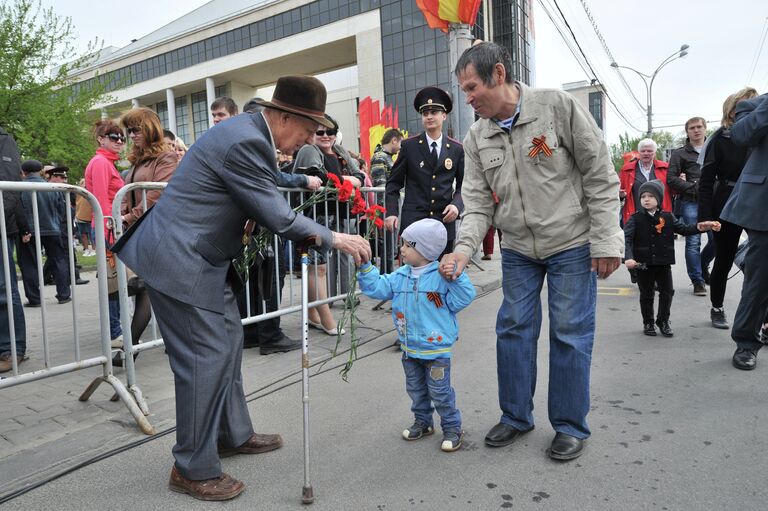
307	495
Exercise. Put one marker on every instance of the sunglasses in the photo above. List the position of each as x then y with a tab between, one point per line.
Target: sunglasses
116	137
329	133
134	129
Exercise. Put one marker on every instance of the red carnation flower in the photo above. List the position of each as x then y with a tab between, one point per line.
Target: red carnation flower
334	179
358	205
345	191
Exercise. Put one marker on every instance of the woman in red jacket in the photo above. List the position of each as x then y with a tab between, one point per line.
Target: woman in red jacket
103	180
635	173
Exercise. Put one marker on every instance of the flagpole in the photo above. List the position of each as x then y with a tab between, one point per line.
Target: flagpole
462	116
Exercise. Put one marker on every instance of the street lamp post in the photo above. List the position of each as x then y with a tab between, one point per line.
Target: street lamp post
682	52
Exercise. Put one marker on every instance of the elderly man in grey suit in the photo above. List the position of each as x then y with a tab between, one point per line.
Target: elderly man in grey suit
183	249
746	207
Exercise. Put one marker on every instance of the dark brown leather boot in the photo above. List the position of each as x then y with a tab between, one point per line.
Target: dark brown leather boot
257	444
224	487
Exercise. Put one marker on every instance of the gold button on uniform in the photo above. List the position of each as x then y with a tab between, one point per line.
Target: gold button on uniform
434	176
433	201
433	188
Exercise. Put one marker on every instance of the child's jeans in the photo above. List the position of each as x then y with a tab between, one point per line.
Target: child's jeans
660	275
428	382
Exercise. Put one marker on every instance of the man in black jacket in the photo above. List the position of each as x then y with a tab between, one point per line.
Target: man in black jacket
15	225
683	177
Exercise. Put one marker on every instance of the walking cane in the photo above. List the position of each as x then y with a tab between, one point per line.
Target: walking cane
307	495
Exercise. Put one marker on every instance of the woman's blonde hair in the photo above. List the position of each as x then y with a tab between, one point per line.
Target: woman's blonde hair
729	107
149	123
179	144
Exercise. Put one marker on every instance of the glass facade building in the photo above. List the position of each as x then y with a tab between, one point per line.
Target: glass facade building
413	55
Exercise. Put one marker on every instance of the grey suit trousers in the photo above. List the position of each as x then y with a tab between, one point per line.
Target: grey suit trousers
205	352
751	312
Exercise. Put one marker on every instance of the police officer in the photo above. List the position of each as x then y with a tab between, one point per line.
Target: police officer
427	166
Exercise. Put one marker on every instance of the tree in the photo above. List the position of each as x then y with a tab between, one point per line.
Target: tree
40	105
664	139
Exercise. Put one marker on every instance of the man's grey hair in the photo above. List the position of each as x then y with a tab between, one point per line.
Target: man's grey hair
484	57
648	142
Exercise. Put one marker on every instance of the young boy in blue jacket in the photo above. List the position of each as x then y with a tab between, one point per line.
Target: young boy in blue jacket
424	307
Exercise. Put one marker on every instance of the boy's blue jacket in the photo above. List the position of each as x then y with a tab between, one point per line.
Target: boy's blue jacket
424	309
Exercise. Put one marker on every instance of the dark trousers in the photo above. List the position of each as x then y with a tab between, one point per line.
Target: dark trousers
384	250
726	243
19	324
267	331
661	276
754	293
49	266
205	353
56	252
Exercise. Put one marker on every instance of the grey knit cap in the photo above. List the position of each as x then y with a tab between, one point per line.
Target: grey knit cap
428	237
655	187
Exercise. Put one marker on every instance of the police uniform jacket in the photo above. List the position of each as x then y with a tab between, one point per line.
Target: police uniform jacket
428	190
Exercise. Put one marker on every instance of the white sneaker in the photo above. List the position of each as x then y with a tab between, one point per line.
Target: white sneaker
117	342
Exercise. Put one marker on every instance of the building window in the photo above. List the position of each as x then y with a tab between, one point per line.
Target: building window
221	90
199	113
162	112
596	108
182	119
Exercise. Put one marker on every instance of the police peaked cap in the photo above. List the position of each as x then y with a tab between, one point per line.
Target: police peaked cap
432	97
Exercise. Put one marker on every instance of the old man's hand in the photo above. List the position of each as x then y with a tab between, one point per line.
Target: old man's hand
354	245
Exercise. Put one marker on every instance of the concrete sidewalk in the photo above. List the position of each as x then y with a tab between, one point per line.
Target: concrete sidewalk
44	429
674	427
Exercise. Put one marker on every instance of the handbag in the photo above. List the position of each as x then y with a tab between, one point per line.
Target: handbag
135	283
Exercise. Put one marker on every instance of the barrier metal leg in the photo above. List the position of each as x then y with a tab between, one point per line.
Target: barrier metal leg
379	305
125	397
307	494
474	260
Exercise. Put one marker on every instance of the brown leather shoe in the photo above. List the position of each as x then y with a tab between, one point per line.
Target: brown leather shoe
224	487
6	362
258	443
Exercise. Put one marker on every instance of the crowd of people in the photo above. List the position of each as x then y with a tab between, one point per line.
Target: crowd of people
528	147
688	195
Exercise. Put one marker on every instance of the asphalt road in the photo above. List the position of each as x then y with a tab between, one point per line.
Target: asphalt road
674	427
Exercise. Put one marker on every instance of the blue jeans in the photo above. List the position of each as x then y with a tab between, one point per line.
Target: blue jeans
572	295
115	330
428	382
19	324
690	213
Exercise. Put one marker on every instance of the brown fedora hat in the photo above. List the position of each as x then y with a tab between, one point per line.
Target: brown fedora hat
299	95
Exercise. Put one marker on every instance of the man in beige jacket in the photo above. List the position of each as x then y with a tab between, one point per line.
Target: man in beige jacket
543	156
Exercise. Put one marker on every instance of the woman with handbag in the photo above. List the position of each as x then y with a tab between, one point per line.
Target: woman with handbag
330	158
153	161
103	180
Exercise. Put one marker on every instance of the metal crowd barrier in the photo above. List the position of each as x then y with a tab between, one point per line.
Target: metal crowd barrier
53	369
383	244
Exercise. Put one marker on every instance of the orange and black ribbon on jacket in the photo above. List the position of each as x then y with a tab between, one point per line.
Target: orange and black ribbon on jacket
539	146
